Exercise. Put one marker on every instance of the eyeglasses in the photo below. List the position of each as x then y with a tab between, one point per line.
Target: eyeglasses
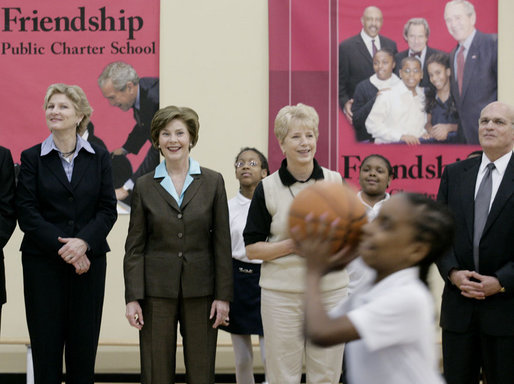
251	163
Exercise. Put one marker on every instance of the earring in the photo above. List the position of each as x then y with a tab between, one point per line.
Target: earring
190	145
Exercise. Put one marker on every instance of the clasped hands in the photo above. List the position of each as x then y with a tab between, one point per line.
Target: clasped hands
474	285
74	252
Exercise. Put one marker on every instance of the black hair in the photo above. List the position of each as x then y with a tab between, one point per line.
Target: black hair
443	59
434	226
262	158
388	51
383	158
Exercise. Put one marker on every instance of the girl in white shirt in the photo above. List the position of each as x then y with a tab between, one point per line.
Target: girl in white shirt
389	322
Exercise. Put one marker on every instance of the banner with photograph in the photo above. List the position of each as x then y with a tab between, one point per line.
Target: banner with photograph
305	66
72	42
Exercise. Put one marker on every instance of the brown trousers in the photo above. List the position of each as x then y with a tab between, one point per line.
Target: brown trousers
158	340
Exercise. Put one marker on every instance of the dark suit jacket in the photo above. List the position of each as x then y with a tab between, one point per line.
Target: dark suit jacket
425	82
356	64
148	105
457	189
480	83
172	249
7	211
94	139
49	206
363	100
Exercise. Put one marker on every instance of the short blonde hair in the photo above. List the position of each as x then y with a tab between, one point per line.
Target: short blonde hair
165	115
301	114
78	100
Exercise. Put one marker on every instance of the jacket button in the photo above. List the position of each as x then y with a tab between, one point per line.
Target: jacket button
180	254
70	222
179	215
70	198
180	235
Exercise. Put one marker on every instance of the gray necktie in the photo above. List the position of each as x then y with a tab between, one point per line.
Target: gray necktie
482	202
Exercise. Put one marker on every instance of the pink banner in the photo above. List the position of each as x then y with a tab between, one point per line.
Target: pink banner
304	42
71	42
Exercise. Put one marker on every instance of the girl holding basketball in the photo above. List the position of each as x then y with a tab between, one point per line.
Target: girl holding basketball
390	321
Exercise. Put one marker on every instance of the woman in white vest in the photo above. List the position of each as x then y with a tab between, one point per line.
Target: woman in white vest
282	273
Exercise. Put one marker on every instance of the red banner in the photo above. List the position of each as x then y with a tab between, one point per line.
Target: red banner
71	42
304	41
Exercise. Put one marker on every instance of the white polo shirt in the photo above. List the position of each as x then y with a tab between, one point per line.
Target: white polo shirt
395	320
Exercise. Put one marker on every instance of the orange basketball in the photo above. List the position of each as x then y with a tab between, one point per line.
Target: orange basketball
336	200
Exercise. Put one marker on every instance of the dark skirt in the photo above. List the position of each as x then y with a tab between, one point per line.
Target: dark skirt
245	310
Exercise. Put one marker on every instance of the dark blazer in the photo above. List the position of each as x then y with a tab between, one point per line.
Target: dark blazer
148	105
363	100
7	211
480	83
425	82
172	249
457	189
49	206
94	139
356	64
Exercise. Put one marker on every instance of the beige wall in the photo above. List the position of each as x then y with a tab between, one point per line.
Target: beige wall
214	58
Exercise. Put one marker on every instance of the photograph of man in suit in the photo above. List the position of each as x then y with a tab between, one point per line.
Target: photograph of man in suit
122	87
477	313
474	66
7	214
416	32
356	56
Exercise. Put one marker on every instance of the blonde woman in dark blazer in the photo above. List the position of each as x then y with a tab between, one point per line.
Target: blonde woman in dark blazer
66	207
178	265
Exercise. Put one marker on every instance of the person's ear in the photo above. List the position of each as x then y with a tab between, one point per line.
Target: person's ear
264	173
418	251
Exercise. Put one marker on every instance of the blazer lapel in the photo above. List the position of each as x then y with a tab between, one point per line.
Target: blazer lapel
468	194
53	163
193	188
363	50
80	166
471	63
165	195
504	193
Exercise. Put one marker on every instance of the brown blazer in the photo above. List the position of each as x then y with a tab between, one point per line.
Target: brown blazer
171	249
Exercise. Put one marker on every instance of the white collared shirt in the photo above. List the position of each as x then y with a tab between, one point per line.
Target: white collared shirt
421	58
496	174
367	40
167	183
467	45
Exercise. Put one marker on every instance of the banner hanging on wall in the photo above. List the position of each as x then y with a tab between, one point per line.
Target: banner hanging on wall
317	57
72	42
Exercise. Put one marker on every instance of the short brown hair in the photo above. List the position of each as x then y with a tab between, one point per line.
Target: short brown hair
78	100
165	115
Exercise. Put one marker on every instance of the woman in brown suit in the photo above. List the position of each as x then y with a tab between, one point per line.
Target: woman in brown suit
178	265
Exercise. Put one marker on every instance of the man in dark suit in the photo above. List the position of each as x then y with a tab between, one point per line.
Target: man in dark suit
7	213
416	32
477	314
122	87
356	56
474	65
